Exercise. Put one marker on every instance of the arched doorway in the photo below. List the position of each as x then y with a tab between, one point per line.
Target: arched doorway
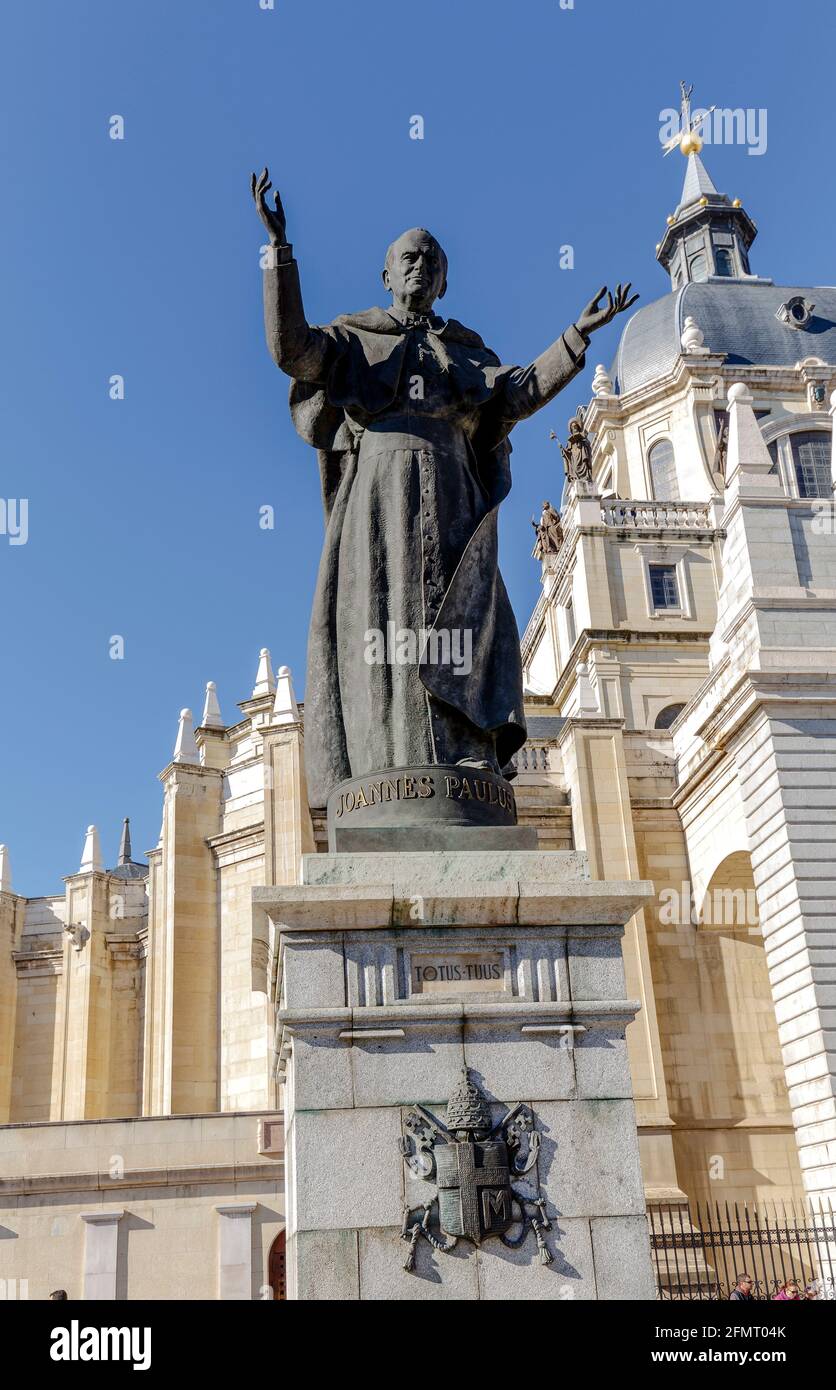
276	1269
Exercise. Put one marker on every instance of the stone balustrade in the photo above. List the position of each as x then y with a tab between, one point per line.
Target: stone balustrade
532	757
658	516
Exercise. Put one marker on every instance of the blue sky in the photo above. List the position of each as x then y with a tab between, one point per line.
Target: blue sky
140	257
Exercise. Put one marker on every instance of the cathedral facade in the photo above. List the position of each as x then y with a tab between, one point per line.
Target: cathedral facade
680	673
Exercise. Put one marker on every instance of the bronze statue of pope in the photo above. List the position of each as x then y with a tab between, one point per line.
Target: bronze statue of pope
410	415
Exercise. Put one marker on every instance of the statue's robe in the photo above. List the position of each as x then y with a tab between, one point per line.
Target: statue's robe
410	419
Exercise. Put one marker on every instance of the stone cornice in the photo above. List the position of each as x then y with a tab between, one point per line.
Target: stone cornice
692	370
595	723
270	1171
241	835
511	1013
770	1123
272	732
534	626
687	371
191	769
39	962
516	903
125	945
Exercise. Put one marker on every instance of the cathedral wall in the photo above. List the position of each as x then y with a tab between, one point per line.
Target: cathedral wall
11	923
627	571
245	1032
38	986
743	1165
191	931
243	795
173	1187
732	1133
125	1020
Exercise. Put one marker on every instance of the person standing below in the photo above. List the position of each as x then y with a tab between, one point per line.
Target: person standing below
788	1292
742	1291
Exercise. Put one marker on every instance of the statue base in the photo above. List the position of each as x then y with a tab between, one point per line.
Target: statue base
438	795
458	1105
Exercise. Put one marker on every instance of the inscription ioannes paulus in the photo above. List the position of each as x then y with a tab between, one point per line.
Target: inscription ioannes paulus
408	788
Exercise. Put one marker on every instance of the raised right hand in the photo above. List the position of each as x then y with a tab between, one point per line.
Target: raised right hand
273	218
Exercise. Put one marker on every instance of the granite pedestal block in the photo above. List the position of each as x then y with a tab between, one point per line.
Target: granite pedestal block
395	976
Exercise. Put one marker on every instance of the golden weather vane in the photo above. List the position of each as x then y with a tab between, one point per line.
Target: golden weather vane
688	138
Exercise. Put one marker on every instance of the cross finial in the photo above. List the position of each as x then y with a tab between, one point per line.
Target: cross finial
688	136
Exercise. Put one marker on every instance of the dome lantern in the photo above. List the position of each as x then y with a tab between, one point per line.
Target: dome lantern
708	235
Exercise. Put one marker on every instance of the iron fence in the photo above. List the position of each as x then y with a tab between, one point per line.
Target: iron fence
699	1250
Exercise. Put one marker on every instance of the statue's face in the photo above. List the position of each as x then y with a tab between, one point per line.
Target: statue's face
416	271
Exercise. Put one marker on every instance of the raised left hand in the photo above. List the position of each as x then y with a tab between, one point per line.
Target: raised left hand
595	316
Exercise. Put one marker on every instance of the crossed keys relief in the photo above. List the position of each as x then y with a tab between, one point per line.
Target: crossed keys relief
472	1164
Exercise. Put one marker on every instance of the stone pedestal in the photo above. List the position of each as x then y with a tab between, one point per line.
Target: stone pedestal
401	977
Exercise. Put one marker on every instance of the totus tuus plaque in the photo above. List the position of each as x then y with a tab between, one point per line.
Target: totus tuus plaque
456	972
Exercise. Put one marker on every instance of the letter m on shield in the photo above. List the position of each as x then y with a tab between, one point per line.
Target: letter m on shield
495	1203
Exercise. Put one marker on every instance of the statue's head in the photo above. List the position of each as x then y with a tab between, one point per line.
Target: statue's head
415	271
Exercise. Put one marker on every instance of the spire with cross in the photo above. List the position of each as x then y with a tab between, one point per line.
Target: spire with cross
708	236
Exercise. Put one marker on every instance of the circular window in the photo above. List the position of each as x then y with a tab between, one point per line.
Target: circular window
796	312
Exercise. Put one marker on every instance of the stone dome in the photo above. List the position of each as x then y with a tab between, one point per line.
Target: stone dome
737	317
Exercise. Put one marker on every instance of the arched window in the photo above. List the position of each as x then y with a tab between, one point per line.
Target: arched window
698	267
666	716
724	262
663	472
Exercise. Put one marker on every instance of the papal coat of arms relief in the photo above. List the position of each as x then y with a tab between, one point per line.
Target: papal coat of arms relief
473	1164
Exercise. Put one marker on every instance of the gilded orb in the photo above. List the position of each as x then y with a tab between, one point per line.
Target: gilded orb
703	202
670	220
690	143
737	203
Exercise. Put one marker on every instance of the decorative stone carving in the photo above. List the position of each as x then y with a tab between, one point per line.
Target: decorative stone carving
472	1163
693	338
78	934
549	532
602	382
721	448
